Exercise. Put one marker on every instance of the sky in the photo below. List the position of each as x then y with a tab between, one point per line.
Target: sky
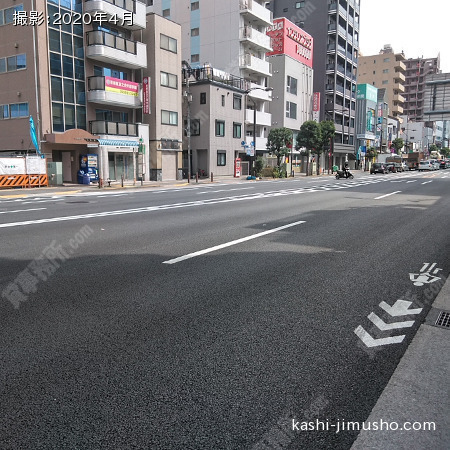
418	27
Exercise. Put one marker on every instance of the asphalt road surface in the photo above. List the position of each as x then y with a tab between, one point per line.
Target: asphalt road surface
217	316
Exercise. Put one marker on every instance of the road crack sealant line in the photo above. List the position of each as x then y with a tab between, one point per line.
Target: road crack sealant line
228	199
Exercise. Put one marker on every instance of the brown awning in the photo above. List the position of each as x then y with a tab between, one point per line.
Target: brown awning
71	137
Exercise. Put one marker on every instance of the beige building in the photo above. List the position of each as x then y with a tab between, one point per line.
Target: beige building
217	119
385	71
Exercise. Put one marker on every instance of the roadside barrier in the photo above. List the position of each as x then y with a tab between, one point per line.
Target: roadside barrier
23	181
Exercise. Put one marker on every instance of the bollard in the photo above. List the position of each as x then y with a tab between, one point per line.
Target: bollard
212	177
196	177
100	183
121	180
189	177
142	180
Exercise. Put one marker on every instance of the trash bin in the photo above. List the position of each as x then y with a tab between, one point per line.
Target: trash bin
86	179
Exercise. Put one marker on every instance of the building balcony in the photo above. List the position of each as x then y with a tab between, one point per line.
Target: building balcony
342	31
112	91
332	28
397	109
252	64
255	38
399	98
342	11
399	87
260	93
261	143
130	14
400	66
332	7
400	76
331	48
116	50
255	11
104	127
262	118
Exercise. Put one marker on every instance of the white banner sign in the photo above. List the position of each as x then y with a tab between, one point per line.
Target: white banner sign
34	165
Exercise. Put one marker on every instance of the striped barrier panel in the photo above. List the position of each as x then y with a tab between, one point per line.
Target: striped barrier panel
12	181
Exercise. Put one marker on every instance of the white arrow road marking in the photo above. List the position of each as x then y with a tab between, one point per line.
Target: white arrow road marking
400	308
369	341
383	326
387	195
229	244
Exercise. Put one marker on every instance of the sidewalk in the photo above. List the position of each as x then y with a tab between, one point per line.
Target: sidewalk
418	391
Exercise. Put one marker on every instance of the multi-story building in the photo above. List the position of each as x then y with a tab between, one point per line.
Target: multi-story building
79	75
217	117
292	80
163	39
366	118
385	71
230	36
334	27
416	71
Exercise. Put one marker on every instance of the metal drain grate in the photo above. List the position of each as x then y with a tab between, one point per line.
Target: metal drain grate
443	320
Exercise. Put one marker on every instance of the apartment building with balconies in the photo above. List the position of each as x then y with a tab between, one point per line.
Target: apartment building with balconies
78	73
416	71
386	71
229	36
334	26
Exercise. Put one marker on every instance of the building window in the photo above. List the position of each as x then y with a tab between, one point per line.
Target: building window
202	98
237	130
169	117
237	101
195	58
195	5
386	60
14	111
221	158
385	70
169	80
7	15
166	13
195	32
168	43
291	110
220	128
13	63
299	5
291	85
385	81
223	100
195	127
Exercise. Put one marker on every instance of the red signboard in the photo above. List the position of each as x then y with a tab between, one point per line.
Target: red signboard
316	106
237	167
146	95
289	39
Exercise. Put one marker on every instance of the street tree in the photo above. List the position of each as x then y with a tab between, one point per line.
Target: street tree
327	132
309	137
398	144
278	141
445	152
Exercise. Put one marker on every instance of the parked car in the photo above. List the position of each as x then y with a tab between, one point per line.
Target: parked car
404	167
443	164
426	165
378	168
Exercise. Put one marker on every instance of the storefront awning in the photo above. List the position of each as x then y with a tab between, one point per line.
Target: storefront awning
117	143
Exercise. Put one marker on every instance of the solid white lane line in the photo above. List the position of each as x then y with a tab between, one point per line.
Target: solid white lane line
426	182
21	210
412	181
387	195
225	190
229	244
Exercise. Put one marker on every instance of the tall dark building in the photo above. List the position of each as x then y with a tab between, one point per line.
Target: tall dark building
334	26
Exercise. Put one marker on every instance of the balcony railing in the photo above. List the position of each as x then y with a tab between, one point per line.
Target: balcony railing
98	127
255	37
252	63
262	118
108	47
258	11
129	13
